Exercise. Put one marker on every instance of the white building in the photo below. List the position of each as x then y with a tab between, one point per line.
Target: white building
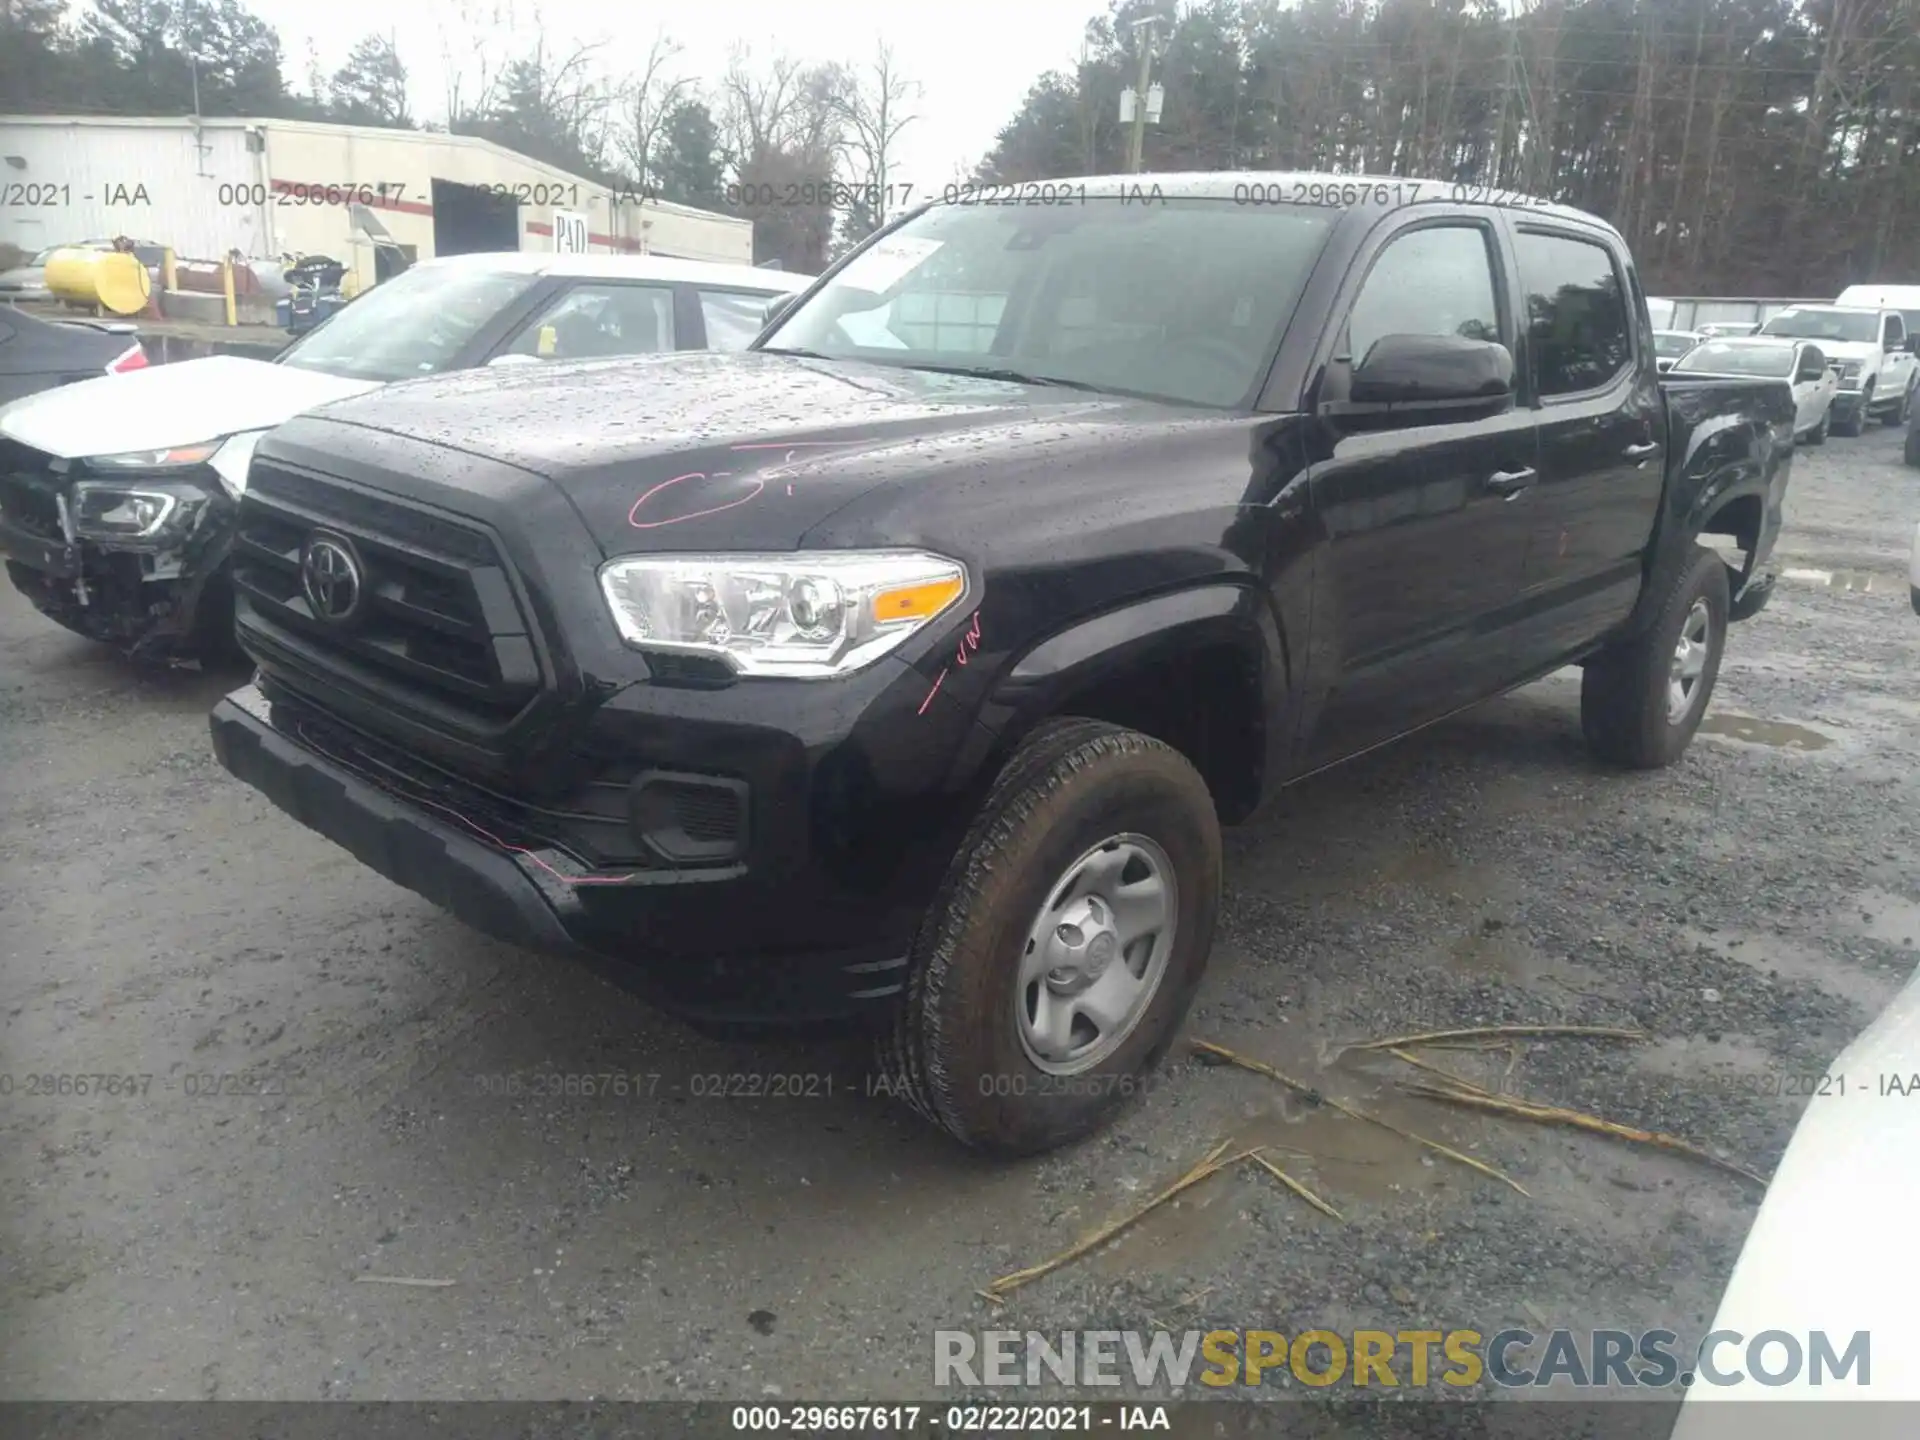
272	187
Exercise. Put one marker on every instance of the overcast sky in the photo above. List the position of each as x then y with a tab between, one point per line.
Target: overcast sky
975	61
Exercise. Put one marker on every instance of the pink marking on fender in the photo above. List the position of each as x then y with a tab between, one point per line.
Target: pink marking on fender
937	681
639	524
969	641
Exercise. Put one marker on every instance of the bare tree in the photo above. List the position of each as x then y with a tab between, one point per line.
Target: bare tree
874	105
472	65
646	100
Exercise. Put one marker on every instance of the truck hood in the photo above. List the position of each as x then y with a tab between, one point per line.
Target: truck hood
743	451
165	405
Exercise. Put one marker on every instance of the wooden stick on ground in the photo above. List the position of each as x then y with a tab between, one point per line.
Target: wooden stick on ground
1210	1164
1579	1120
1445	1074
1431	1037
1294	1185
1260	1067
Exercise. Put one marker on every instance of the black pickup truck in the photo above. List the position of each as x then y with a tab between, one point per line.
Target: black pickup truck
906	665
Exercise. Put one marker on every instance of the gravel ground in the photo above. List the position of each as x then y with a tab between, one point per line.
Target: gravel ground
1751	907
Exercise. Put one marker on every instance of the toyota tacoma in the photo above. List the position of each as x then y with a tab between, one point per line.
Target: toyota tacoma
906	665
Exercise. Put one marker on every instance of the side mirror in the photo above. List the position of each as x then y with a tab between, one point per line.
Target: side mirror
1426	373
777	307
513	360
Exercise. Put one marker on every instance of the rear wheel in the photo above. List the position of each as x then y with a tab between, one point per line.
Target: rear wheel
1066	945
1642	701
1818	435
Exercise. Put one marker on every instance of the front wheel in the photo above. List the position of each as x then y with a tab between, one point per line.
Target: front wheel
1855	420
1642	701
1066	944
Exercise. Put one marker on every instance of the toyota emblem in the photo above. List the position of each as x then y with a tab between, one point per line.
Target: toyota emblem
330	577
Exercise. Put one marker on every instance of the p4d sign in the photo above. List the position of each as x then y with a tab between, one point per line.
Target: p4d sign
569	232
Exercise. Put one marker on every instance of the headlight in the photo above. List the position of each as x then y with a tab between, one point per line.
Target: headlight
110	511
179	457
806	616
1850	370
231	460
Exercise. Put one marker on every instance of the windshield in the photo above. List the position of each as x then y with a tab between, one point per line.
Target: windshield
414	324
1717	357
1667	344
1859	327
1173	299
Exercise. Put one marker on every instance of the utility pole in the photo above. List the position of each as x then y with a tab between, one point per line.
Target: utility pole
1136	142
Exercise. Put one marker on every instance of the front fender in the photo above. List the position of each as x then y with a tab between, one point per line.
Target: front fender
1148	639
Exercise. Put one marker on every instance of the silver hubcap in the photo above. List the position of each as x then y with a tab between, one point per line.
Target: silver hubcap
1096	954
1689	662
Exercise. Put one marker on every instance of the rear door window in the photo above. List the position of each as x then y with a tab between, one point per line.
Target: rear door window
1578	326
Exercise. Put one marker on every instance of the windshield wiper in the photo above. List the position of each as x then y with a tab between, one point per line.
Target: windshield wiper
995	372
795	350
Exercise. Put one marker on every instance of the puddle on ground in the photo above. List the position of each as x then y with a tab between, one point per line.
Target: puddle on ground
1891	919
1346	1162
1777	734
1783	960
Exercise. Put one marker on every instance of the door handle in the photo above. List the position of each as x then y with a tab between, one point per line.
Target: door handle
1509	483
1640	452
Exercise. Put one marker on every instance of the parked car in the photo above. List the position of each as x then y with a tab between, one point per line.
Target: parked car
1854	1153
832	679
1878	367
1800	363
1670	345
149	471
1729	329
29	281
37	354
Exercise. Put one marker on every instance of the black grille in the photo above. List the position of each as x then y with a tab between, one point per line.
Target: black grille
28	486
440	632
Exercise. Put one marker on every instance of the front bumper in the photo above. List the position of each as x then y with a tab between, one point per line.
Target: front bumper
800	929
143	593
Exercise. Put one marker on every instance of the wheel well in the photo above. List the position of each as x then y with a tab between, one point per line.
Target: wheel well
1740	519
1205	702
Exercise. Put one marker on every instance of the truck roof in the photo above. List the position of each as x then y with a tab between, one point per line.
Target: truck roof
629	267
1232	185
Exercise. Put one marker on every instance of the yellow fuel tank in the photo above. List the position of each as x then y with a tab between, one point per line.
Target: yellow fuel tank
111	279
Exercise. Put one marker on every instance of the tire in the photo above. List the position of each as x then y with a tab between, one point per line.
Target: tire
959	1049
1625	692
1818	435
1911	453
212	640
1899	415
1856	422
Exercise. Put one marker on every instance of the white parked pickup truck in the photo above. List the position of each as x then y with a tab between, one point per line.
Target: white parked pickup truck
1878	368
